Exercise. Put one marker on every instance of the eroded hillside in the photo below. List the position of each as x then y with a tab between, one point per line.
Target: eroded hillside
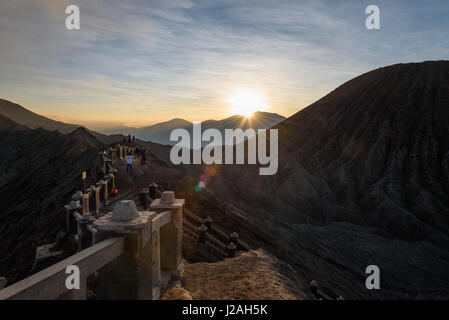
363	179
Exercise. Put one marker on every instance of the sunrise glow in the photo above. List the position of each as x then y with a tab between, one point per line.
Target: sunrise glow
246	103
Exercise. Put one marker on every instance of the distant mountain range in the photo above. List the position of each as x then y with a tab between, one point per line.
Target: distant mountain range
160	132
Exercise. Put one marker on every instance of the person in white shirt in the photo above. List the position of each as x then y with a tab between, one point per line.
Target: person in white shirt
129	163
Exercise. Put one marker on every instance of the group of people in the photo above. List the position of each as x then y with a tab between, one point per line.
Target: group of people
133	138
130	159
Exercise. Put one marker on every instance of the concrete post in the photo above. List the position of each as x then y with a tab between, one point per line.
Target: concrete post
109	180
72	207
92	200
94	233
107	164
3	282
153	191
104	194
113	154
143	199
85	204
171	233
202	234
208	224
113	171
102	156
100	185
97	201
131	275
82	222
234	238
230	250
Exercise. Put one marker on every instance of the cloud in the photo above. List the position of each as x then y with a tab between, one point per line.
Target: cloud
160	59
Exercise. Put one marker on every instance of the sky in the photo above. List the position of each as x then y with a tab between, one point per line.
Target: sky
139	62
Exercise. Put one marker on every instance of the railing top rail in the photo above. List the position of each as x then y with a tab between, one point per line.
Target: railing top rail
193	216
216	230
186	223
50	283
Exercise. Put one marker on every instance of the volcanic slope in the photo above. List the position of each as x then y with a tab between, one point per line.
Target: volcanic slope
40	170
363	179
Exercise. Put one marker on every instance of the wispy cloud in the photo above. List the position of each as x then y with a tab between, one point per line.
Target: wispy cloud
145	61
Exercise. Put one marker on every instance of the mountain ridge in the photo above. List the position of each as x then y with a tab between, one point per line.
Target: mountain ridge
32	120
40	171
157	133
160	132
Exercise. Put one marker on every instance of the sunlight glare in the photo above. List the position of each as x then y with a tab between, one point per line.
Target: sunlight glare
246	103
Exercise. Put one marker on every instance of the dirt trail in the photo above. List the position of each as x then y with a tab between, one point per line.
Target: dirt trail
252	275
153	171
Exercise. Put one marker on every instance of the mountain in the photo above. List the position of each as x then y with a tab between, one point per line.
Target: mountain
363	179
9	125
29	119
39	172
259	120
160	132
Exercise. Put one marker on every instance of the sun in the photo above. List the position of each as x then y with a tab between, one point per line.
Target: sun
246	103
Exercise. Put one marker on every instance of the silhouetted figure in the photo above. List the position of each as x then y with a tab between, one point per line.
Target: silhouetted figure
134	138
129	138
129	163
142	157
100	174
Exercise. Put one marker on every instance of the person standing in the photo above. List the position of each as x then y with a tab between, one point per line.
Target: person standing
142	156
129	163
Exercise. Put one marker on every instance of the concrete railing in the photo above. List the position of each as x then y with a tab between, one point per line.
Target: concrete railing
85	207
141	253
209	234
50	283
156	231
